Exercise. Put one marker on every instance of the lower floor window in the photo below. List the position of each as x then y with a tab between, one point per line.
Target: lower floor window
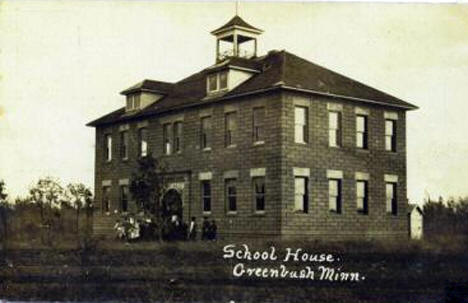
301	194
231	195
124	198
334	195
206	196
106	199
362	196
391	200
259	194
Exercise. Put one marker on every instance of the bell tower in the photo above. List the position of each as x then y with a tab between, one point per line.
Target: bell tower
236	38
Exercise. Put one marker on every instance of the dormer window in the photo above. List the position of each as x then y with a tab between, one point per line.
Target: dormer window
133	101
217	82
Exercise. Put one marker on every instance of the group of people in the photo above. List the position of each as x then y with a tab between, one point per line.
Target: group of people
179	230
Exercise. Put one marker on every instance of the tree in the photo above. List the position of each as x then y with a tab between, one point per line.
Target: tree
79	196
4	209
147	187
48	195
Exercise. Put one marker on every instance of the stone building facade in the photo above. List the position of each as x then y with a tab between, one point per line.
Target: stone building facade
269	146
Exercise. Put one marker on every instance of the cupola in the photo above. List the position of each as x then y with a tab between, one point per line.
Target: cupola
236	38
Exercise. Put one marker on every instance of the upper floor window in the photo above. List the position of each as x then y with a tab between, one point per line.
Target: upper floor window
206	195
259	194
231	195
334	195
133	101
124	198
300	124
362	196
124	145
334	128
217	82
230	128
391	198
390	135
143	141
108	147
301	195
178	137
167	138
258	124
205	132
361	132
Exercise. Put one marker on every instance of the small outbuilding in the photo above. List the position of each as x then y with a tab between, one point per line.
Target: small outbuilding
416	218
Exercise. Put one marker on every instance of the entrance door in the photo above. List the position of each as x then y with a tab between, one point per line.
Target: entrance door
172	204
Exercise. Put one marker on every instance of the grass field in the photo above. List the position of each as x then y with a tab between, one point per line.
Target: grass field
428	271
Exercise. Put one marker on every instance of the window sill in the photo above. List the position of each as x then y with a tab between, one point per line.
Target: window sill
231	213
362	150
335	146
232	146
259	143
259	213
299	212
206	149
335	212
301	143
207	213
124	159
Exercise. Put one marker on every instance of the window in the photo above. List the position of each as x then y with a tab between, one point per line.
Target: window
133	102
106	199
300	124
177	137
231	196
206	195
334	129
217	82
108	147
124	198
124	145
231	127
223	80
390	135
391	200
259	194
362	196
212	83
258	124
167	138
301	194
205	132
334	195
361	131
143	142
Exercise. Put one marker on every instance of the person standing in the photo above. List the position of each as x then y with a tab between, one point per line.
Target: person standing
213	229
192	234
205	229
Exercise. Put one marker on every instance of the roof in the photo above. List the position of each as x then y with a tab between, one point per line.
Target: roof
276	70
412	207
236	21
150	85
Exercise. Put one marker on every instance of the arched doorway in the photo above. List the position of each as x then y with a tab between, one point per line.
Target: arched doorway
172	204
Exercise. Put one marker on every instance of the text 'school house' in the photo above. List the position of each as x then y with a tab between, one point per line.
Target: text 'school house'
269	146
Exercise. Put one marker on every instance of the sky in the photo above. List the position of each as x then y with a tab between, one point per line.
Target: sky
63	64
